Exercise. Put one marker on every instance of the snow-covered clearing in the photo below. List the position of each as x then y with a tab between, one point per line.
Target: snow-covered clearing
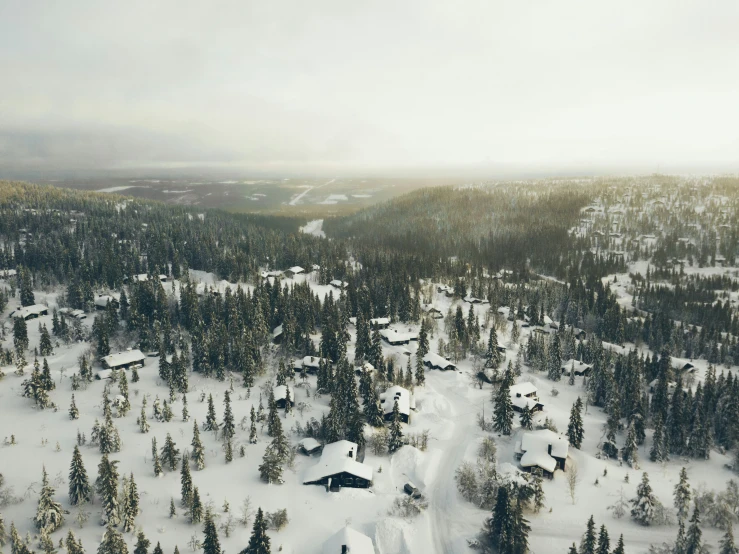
299	197
314	228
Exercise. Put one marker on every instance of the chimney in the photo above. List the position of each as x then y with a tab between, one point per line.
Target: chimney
549	450
344	549
351	453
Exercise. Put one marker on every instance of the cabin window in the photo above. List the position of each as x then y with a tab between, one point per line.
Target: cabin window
348	481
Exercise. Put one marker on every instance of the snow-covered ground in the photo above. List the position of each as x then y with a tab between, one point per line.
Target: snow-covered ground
314	228
447	407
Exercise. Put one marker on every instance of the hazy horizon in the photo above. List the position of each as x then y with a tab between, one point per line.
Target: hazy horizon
492	89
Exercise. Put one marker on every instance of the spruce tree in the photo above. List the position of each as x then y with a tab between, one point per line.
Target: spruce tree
143	423
172	509
211	543
211	423
589	541
503	410
142	544
80	491
228	429
271	468
3	533
17	546
73	545
527	419
682	495
49	513
107	488
694	538
645	503
604	542
727	543
657	453
395	438
113	542
575	431
158	470
198	452
259	542
373	413
158	549
74	413
170	454
252	427
196	508
681	541
620	548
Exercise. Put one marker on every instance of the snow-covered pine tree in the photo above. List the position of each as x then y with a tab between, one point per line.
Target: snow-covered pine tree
492	355
694	537
211	543
196	508
170	454
620	548
158	549
124	406
682	495
131	504
604	542
73	544
172	509
143	423
158	470
270	469
395	438
74	413
503	409
645	502
630	451
17	546
252	427
589	539
726	545
211	423
80	491
658	453
142	544
3	532
575	431
259	542
107	488
198	452
185	412
49	513
372	410
113	542
527	419
228	428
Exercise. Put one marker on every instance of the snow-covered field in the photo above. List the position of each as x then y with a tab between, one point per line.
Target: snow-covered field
447	406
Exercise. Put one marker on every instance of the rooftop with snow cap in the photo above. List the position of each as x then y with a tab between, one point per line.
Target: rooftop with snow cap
434	360
338	457
122	359
348	541
540	448
403	397
31	311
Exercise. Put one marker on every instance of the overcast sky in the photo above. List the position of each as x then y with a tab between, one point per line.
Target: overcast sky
341	85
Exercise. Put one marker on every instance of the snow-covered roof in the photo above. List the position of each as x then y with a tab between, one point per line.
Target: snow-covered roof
338	457
393	336
312	361
280	392
380	321
296	269
437	361
277	331
536	446
338	284
354	541
524	389
123	358
309	444
103	300
36	309
578	365
7	273
473	300
403	396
